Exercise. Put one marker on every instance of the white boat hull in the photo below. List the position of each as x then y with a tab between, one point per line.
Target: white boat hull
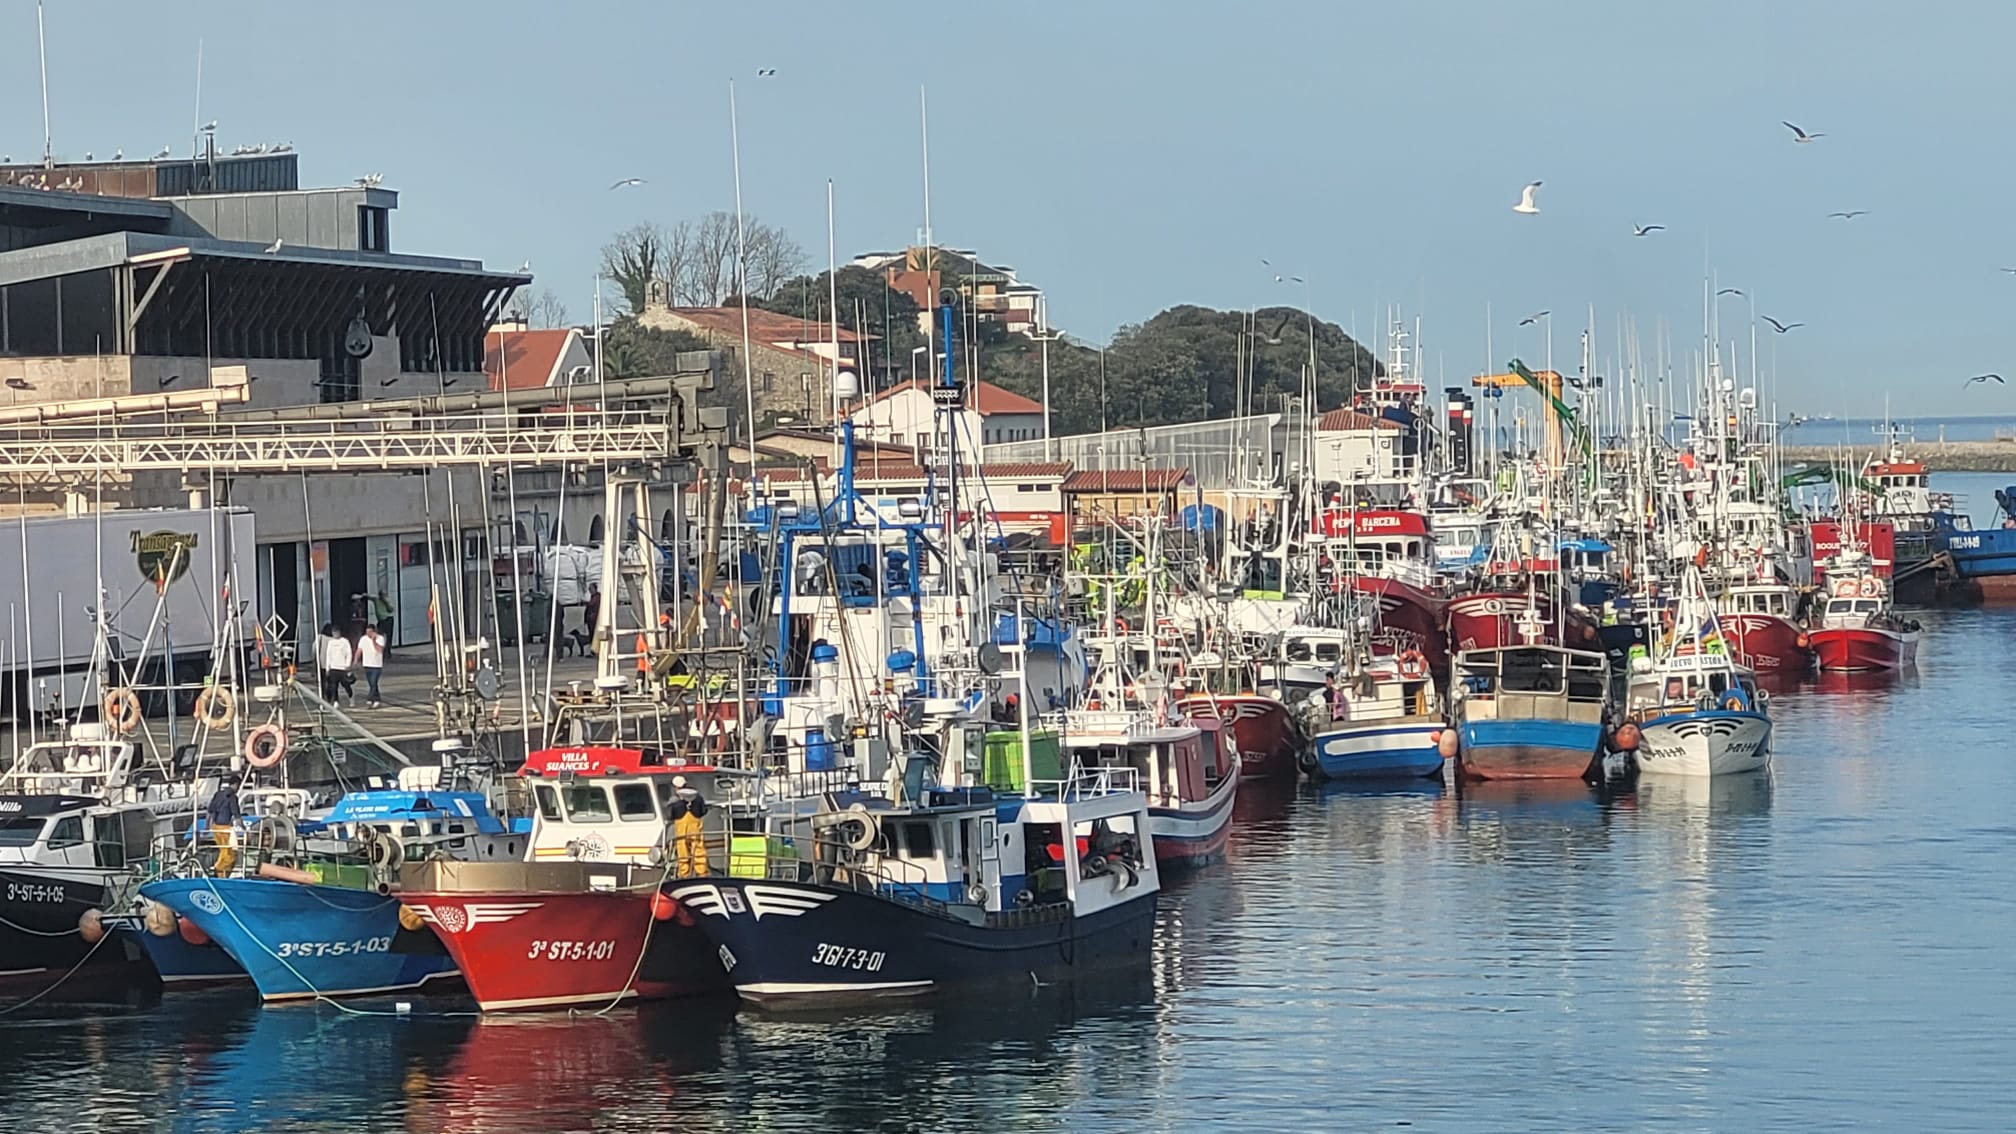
1707	743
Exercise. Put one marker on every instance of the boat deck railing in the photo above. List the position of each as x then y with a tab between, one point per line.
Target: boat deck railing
765	857
1085	782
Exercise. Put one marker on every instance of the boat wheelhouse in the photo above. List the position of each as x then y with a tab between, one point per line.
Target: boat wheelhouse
1529	712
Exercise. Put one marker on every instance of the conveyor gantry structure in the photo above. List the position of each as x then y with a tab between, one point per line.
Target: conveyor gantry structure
630	425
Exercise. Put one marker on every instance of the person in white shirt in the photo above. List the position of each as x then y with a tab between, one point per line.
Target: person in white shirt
371	659
337	669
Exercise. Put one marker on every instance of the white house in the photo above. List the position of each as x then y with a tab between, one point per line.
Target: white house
1356	448
906	414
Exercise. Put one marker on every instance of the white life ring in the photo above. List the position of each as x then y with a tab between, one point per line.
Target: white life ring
259	758
122	709
1844	588
1413	666
1870	587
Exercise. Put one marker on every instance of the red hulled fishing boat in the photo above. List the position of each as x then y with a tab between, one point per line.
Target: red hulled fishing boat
581	922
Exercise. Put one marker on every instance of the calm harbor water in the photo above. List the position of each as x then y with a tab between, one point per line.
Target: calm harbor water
1822	948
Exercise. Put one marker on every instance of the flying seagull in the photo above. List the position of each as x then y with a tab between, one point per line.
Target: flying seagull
1781	328
1646	229
1983	378
274	248
1526	204
1730	291
1285	279
766	72
628	181
1275	338
1534	318
1851	214
2011	271
1801	136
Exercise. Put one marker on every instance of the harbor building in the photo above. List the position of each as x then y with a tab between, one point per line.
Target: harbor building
147	277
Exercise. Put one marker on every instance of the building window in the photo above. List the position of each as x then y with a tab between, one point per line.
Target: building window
1025	488
768	380
373	225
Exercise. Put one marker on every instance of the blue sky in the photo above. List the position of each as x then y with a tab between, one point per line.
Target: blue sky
1129	156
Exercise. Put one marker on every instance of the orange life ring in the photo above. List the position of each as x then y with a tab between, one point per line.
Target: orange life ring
1120	624
1870	587
1413	666
1844	588
265	758
215	706
122	709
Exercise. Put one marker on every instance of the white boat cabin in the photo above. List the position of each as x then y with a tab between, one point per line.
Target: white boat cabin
93	763
599	804
1689	682
71	830
1176	764
967	853
1780	601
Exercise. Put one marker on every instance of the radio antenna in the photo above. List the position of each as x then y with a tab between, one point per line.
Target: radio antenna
196	123
42	51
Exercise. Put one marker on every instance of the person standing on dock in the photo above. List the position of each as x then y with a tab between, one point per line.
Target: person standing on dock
223	813
336	668
371	659
381	617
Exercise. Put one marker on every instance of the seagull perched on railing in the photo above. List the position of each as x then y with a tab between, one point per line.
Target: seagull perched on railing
1526	203
1983	379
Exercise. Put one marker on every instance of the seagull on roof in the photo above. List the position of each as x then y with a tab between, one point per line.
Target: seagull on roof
162	154
1730	291
1781	328
210	126
1646	229
627	182
1534	318
1799	135
88	157
1526	203
1851	214
274	248
118	155
525	267
1983	379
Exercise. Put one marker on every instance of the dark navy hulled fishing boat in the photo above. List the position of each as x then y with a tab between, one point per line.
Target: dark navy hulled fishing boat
874	897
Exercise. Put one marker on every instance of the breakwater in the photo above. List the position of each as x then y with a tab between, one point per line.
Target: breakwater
1946	456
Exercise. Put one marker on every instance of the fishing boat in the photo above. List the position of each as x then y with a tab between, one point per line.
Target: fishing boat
1528	712
64	859
1382	723
1188	770
306	912
576	920
1757	621
1979	553
873	896
1694	709
1263	729
1857	629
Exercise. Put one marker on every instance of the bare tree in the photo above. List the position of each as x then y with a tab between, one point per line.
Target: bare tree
539	308
633	259
708	277
772	258
680	244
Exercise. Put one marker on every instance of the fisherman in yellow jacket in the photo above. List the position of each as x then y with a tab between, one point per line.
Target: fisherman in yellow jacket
689	841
